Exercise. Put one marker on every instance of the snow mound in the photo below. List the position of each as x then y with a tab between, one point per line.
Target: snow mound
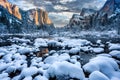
105	65
114	46
39	42
74	51
98	50
96	75
63	69
28	78
51	59
40	78
15	39
63	57
25	50
75	42
54	43
29	71
3	75
115	54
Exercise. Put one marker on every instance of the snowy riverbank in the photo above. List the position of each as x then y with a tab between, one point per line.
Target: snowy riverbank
59	59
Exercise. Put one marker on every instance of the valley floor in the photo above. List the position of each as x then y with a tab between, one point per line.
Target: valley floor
58	58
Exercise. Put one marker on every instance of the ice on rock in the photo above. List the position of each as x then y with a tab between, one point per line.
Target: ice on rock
40	78
29	71
98	50
39	42
115	54
62	69
96	75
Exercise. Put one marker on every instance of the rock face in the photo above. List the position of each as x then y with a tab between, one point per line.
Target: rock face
17	20
104	19
108	8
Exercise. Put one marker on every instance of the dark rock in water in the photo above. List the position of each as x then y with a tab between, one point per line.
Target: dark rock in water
16	20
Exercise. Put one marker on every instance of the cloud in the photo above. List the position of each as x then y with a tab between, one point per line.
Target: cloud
60	11
50	5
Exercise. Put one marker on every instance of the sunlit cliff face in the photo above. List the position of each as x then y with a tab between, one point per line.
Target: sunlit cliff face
13	9
38	16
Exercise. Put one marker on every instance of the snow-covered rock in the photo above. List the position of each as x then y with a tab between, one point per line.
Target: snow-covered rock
63	57
96	75
24	50
115	54
75	42
28	78
114	46
51	59
105	65
74	51
54	43
63	69
20	40
7	58
98	50
40	78
3	75
29	71
39	42
3	66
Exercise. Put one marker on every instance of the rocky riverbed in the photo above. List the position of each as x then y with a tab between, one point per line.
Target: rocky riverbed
60	58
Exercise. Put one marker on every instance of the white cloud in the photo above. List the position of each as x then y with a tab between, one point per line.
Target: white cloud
66	1
59	7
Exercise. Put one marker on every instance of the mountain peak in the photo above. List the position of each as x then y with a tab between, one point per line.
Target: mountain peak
110	7
13	9
12	15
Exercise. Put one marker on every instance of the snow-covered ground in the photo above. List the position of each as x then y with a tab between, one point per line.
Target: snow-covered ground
59	59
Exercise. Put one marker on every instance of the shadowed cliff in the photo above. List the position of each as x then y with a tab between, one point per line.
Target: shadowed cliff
105	19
